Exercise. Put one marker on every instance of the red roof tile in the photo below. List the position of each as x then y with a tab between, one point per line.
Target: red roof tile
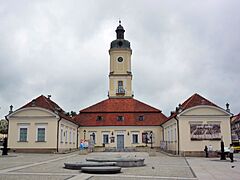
194	100
129	108
48	104
120	105
236	118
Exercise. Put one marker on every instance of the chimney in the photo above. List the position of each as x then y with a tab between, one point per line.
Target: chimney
180	108
227	107
34	102
171	113
177	108
11	109
49	96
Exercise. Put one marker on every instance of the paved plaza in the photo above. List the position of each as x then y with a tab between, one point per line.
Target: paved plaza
158	166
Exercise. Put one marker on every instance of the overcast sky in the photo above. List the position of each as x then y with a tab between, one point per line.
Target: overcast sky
61	48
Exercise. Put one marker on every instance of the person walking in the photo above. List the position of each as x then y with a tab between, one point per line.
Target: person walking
210	149
231	152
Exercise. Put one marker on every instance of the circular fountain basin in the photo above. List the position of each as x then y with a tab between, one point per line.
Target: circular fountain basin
121	162
102	170
79	165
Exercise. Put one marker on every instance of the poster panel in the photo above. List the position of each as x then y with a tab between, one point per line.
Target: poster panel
205	131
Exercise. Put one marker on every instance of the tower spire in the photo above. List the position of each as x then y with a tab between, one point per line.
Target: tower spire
120	31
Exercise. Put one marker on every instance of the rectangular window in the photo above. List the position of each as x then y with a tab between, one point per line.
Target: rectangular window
66	136
175	134
41	134
105	138
61	137
73	137
120	118
135	138
141	118
99	118
70	136
120	84
23	134
120	89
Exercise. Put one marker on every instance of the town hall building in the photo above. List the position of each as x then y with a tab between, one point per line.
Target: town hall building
119	122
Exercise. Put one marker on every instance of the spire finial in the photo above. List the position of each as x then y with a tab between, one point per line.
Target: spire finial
120	21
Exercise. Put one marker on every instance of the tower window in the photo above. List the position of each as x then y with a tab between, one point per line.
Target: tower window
120	84
120	118
120	89
99	118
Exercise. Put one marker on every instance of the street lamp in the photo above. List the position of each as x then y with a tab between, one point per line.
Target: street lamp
151	136
84	134
93	137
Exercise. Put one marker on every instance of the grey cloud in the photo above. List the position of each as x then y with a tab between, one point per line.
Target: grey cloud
61	48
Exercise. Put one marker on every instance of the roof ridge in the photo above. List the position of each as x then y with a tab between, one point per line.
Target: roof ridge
46	100
93	105
148	105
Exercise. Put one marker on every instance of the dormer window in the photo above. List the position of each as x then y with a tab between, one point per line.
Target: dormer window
99	118
140	118
120	118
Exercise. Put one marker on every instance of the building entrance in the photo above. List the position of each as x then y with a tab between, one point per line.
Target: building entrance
120	142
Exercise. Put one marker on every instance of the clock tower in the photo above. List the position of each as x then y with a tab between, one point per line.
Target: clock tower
120	76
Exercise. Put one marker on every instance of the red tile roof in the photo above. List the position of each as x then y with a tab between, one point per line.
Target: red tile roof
48	104
120	105
194	100
129	108
236	118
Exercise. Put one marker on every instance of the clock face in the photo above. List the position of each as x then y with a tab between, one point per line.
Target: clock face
120	59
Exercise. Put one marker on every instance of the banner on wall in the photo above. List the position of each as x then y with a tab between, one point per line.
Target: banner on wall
205	131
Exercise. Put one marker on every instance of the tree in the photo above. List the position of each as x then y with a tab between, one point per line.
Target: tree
3	126
73	113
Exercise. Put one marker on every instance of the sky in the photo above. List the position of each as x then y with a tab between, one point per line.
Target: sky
61	48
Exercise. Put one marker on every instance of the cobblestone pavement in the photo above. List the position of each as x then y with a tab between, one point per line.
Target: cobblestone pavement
216	169
158	166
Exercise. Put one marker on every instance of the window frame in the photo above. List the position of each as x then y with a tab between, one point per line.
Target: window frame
135	134
23	125
120	118
99	118
105	134
141	118
66	135
26	138
41	126
61	135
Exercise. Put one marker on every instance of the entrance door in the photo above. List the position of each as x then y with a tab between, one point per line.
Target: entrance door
120	142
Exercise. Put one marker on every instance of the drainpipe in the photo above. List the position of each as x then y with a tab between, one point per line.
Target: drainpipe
58	132
77	135
162	131
177	133
8	126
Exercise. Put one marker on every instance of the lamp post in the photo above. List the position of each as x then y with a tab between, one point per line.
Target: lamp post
151	136
93	137
84	134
